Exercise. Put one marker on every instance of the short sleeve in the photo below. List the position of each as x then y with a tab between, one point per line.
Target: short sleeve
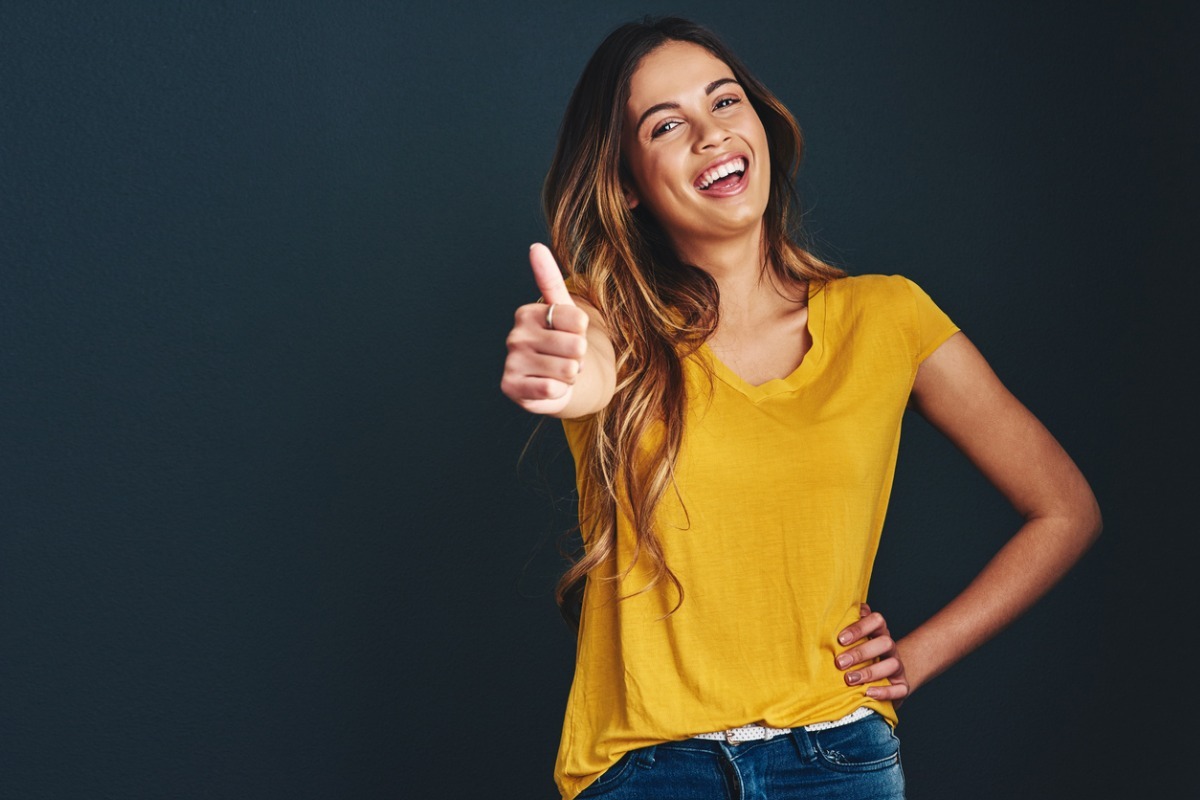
933	324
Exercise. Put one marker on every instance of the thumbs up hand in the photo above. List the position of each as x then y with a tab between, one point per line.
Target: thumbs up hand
547	343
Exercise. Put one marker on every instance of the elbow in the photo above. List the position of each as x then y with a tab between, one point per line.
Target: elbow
1077	521
1095	521
1084	511
1087	521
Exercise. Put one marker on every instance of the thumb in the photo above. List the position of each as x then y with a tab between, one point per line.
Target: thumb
548	276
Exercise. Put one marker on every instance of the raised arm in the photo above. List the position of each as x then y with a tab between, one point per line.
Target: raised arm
960	395
566	371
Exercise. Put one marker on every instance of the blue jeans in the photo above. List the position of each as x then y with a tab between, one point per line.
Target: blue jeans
857	761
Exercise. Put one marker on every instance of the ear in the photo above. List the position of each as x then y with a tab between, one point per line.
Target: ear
631	198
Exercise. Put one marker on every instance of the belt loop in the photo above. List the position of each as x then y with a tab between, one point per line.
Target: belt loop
804	744
646	756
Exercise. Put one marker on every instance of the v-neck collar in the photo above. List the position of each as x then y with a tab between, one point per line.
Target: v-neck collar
798	377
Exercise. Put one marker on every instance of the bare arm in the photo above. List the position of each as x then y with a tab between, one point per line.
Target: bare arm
566	371
960	395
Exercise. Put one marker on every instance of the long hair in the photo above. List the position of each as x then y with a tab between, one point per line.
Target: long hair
657	308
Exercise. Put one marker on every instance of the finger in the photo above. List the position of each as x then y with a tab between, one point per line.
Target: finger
535	365
548	276
567	338
525	390
893	691
858	630
877	671
563	344
570	319
871	625
868	651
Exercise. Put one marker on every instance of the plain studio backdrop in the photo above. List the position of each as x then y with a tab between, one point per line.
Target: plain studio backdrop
263	529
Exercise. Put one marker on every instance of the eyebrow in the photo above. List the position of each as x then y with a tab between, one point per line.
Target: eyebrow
712	87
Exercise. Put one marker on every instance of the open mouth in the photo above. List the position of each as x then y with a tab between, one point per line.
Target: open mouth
722	176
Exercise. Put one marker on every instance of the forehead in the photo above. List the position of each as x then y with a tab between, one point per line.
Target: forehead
675	69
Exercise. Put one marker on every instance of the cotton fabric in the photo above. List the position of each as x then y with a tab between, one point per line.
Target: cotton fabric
772	528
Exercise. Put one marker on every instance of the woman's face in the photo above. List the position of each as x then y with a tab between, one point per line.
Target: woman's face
694	146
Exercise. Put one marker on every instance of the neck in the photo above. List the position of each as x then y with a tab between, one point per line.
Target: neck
739	267
736	263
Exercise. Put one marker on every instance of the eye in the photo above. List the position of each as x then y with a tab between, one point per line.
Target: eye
666	127
726	102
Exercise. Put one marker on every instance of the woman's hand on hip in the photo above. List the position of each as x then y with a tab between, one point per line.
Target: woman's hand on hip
872	655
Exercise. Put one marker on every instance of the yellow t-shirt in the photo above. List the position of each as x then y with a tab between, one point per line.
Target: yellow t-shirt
781	494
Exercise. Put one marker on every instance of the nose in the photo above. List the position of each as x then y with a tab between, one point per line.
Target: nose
709	133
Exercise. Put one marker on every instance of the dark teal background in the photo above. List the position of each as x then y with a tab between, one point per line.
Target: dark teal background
263	533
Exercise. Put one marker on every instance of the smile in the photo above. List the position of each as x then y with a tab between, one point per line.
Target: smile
724	176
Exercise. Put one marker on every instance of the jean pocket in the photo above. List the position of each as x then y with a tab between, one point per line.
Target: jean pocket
863	746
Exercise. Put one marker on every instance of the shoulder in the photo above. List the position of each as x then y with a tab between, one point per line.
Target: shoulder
873	288
874	295
887	305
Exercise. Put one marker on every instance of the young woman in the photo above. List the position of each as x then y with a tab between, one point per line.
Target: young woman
733	405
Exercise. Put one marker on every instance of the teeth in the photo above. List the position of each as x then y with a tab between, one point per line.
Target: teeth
737	165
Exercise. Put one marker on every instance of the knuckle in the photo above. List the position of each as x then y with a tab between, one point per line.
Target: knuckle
529	314
519	338
575	319
515	389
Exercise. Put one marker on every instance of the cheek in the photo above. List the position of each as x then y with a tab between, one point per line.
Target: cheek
760	143
645	180
666	177
640	172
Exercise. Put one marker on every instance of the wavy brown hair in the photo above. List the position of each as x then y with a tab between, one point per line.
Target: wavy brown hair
657	308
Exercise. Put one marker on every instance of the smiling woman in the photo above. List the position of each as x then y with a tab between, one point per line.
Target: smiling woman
699	160
733	405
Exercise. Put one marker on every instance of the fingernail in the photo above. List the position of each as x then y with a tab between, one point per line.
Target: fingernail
843	660
844	637
853	677
872	692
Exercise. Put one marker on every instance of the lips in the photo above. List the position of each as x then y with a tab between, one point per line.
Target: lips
724	175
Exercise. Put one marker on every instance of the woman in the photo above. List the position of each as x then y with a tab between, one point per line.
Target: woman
733	405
